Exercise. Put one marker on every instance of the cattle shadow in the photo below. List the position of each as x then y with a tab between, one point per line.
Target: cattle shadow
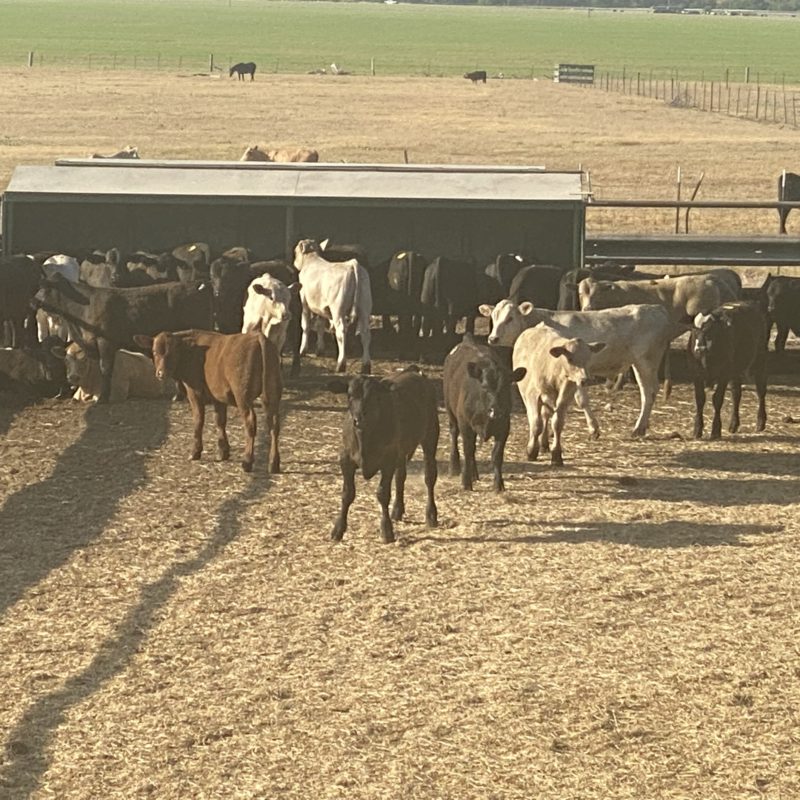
47	521
674	534
733	461
29	742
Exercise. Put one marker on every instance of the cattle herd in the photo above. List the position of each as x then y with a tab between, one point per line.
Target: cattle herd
211	328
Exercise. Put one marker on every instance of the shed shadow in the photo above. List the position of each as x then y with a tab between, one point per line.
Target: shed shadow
734	461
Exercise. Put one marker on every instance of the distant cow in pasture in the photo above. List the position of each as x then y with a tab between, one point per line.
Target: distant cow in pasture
224	370
556	367
109	318
386	420
127	152
724	346
476	76
788	192
477	397
286	156
243	68
782	299
339	292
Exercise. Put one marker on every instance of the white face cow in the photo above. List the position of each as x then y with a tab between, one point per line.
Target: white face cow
508	321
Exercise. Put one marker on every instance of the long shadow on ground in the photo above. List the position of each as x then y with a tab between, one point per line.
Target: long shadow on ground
44	523
29	742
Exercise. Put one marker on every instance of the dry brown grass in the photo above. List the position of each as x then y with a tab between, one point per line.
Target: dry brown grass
625	627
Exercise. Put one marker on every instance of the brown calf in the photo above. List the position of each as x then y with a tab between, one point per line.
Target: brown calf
224	370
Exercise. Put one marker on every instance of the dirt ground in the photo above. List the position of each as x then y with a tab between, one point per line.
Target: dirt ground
623	627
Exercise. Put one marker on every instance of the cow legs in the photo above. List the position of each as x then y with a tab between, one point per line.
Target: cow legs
399	507
384	494
305	323
348	468
736	399
469	469
223	446
719	396
431	473
249	419
558	419
582	401
647	378
534	407
364	333
107	353
199	417
760	376
780	338
498	450
340	331
699	402
273	423
455	456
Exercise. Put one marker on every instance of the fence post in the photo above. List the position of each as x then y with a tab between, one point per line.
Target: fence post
210	63
372	66
677	208
30	58
785	109
758	100
638	81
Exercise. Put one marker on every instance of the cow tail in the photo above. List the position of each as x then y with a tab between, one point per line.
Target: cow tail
271	400
354	308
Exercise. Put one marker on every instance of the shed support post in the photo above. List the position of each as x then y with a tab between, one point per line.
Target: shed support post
289	235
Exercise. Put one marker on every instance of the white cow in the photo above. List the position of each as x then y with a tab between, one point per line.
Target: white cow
556	368
51	324
268	307
635	336
337	291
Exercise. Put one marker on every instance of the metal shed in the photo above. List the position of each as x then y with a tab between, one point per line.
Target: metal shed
458	211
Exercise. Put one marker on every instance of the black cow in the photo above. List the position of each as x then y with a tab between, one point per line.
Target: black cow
195	254
33	371
19	282
788	192
449	292
404	277
723	346
476	76
495	281
109	318
386	420
477	397
782	298
243	68
537	284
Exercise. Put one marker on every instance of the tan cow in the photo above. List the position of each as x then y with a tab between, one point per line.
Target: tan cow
127	152
260	153
132	375
555	368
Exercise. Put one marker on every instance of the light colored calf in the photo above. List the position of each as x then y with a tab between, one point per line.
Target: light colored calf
132	376
51	324
300	154
267	307
635	336
337	291
556	368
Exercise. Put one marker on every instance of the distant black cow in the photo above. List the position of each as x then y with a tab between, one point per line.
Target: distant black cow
476	76
386	420
449	292
110	318
782	298
723	346
477	397
243	68
19	282
788	192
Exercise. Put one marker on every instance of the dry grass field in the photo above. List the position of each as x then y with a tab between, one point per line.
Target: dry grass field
624	627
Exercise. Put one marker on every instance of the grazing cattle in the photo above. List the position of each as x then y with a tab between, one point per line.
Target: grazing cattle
243	68
788	192
636	336
31	372
127	152
224	370
449	292
19	282
681	296
723	346
132	375
285	156
476	76
110	318
477	398
386	420
339	292
556	368
269	308
782	296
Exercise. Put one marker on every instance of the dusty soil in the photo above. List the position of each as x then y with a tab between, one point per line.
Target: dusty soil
623	627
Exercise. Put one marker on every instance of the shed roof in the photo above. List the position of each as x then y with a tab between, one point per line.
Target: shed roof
292	184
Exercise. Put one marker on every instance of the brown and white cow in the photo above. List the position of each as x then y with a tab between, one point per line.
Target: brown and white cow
555	368
224	370
337	291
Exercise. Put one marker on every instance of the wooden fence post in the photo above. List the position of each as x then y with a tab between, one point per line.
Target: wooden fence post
30	58
210	63
372	67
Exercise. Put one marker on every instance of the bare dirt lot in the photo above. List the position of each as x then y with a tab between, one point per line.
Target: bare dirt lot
623	627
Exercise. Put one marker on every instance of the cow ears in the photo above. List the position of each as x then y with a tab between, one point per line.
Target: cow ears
518	374
145	342
558	351
263	290
338	386
295	287
323	245
59	351
485	310
596	347
474	370
526	308
701	319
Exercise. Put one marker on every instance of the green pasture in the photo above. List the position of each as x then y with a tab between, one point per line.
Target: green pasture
402	39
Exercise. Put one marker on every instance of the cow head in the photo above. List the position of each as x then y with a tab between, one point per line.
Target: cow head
576	355
783	296
165	349
507	321
710	337
494	399
304	248
79	363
